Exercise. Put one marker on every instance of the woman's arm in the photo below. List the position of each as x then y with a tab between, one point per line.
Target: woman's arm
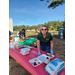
38	45
51	43
25	35
19	34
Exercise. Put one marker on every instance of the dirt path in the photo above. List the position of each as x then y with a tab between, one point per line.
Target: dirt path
16	69
59	50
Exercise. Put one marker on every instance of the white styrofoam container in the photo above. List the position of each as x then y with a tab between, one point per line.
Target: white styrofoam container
52	55
33	60
25	49
40	58
24	53
43	57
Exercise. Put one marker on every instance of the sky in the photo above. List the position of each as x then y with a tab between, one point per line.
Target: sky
34	12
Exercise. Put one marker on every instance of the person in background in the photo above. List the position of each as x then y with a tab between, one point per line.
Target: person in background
44	40
21	33
10	33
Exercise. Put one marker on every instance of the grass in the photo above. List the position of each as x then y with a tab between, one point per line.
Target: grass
32	33
53	32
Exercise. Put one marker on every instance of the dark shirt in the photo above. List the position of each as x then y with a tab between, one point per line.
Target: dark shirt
21	34
44	41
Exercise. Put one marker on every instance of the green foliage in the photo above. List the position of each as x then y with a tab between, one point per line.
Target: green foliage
41	0
55	29
53	25
54	3
51	28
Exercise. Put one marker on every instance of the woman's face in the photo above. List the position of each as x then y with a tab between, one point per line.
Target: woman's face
22	31
44	30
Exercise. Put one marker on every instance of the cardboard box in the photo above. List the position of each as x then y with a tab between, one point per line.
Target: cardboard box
22	39
11	38
14	34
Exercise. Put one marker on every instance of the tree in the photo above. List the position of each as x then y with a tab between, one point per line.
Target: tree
63	24
54	3
51	28
52	25
45	23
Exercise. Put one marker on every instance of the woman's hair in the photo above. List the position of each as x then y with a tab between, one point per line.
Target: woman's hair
23	29
43	26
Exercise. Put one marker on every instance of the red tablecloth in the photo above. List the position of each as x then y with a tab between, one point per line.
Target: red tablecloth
24	61
11	41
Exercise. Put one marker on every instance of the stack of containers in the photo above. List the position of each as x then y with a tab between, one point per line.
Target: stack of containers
25	51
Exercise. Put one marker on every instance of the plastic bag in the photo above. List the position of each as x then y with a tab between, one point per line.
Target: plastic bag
14	45
54	67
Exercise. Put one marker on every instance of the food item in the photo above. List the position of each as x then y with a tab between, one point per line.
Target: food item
35	59
49	55
38	62
22	39
46	54
11	38
35	63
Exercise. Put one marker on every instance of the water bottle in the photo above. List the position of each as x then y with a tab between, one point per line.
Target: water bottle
47	61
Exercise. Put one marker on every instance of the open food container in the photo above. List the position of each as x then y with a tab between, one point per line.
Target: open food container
39	60
51	56
35	62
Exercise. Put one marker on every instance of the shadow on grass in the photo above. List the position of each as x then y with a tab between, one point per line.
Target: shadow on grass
33	36
55	36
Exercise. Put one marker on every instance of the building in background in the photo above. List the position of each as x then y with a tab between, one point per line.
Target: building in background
11	24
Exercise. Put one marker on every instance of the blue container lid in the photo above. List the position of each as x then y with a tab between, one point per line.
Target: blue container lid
15	36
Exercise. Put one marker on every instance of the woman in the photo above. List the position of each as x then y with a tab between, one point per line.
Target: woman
22	33
44	40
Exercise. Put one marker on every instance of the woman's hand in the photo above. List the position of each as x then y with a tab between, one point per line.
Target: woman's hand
51	52
51	43
39	53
